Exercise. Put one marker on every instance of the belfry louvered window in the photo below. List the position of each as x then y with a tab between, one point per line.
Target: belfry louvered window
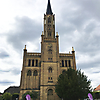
36	62
69	63
66	63
29	62
33	62
62	63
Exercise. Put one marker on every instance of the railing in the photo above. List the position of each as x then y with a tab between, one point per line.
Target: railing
63	54
34	54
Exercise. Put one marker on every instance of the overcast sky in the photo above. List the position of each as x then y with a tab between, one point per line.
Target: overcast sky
21	23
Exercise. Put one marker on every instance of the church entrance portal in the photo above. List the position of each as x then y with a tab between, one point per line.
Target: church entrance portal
50	95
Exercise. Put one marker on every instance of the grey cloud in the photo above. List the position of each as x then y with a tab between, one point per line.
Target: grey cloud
86	41
97	72
91	7
89	64
14	71
6	82
3	71
3	53
90	27
26	30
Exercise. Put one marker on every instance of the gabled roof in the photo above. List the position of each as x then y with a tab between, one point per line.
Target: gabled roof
12	89
49	10
97	88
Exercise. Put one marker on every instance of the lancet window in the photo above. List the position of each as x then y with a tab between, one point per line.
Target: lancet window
49	20
29	73
35	73
50	70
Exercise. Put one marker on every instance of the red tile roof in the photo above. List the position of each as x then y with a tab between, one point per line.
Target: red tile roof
97	88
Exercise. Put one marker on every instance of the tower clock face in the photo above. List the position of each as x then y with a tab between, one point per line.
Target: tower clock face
50	45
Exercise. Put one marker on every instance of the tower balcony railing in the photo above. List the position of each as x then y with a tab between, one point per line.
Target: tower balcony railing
63	54
34	54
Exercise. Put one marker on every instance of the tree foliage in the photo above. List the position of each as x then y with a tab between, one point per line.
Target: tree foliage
32	94
96	95
7	96
1	97
72	85
15	95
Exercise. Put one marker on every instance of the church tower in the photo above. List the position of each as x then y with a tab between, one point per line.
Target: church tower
50	68
41	70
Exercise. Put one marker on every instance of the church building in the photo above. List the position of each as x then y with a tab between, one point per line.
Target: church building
40	71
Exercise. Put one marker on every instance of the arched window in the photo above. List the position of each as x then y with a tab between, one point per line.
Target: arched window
29	62
29	73
50	70
49	20
50	92
49	33
35	73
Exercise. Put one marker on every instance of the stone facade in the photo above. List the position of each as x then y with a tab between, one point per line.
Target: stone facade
41	70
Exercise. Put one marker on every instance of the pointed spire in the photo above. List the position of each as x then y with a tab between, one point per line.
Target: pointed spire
49	10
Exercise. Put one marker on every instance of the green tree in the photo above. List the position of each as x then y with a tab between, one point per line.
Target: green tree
14	96
72	85
32	94
7	96
1	97
96	95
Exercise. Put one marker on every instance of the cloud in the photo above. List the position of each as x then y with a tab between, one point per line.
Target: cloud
97	72
1	71
6	82
3	53
25	30
14	71
78	26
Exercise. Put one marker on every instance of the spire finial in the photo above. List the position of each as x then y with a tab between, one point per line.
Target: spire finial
72	49
42	32
25	47
56	33
49	10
